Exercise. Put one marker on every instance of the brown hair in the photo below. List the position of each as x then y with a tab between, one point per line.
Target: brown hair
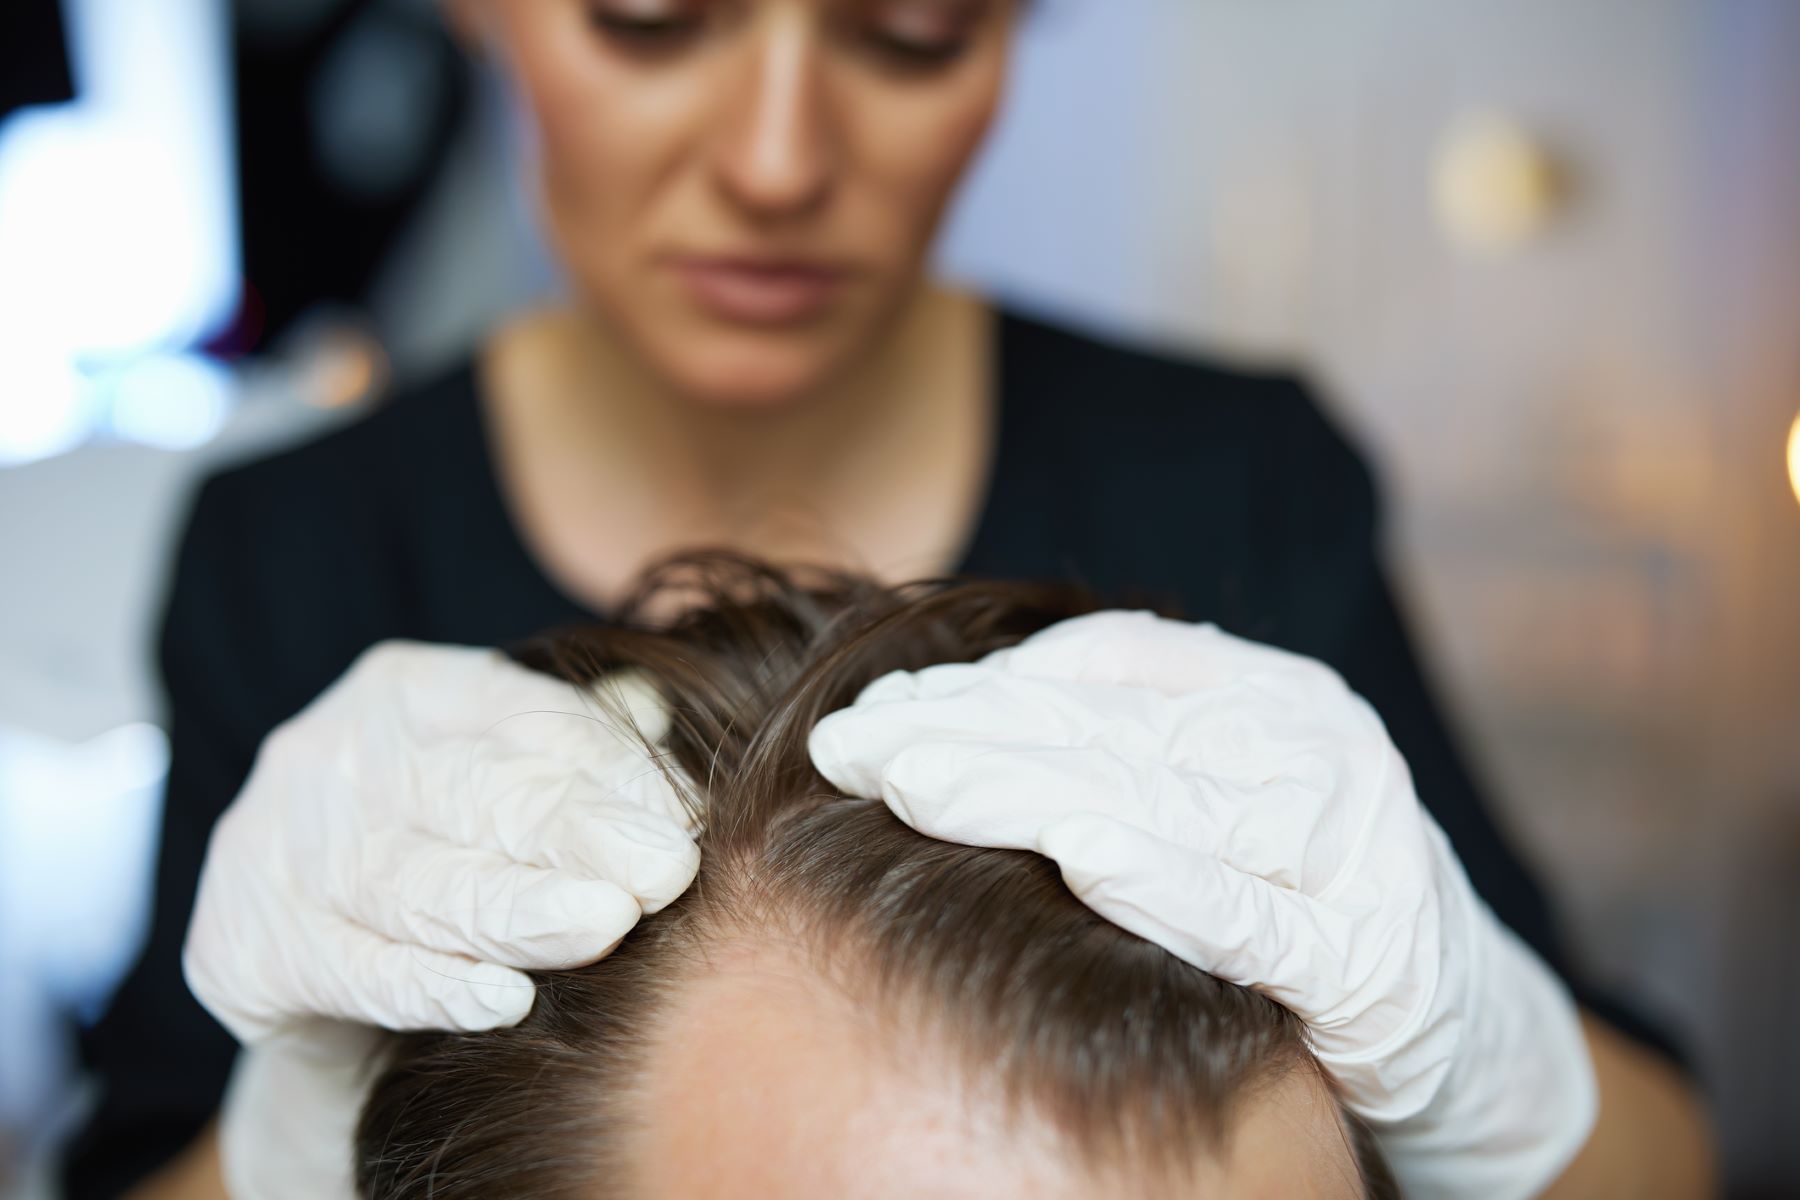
1126	1048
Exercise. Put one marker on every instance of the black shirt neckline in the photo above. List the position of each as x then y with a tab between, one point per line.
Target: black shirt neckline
496	511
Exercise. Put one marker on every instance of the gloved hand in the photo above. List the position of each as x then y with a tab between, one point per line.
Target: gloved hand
287	1129
435	822
1242	808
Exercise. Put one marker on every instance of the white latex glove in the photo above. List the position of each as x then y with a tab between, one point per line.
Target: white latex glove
436	822
288	1126
1242	808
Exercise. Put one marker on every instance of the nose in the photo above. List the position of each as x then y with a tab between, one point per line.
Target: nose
776	157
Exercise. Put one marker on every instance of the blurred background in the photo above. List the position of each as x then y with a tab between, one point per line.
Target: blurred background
1543	256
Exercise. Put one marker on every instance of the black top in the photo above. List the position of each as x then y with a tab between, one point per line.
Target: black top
1230	496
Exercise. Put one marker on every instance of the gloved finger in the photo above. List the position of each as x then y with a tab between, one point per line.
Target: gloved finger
1240	928
1002	797
629	701
437	692
423	891
927	683
1231	730
1141	649
1238	730
630	829
962	702
853	746
618	719
356	974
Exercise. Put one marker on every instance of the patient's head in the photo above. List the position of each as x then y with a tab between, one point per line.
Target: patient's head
840	1007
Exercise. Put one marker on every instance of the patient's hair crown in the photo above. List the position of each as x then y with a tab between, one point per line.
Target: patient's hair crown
1124	1048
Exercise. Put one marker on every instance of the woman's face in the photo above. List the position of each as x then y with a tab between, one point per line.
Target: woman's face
746	189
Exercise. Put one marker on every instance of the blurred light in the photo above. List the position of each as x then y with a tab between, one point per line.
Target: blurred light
77	840
117	216
43	409
130	757
1494	187
173	401
79	818
96	245
345	367
1794	457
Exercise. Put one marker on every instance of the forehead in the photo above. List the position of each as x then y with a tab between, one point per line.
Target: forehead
768	1081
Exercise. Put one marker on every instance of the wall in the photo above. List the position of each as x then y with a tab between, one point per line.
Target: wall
1582	441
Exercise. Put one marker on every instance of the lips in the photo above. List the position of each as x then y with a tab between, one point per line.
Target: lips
761	291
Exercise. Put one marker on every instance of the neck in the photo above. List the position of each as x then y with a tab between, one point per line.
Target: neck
737	457
606	469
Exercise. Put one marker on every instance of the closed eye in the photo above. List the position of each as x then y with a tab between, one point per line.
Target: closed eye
645	32
920	34
914	52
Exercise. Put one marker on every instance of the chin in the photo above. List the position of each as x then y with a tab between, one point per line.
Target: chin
752	370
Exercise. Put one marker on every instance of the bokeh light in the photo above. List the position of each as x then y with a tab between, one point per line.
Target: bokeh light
118	226
1794	457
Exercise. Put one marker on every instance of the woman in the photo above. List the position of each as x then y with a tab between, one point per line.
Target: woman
742	194
840	1007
